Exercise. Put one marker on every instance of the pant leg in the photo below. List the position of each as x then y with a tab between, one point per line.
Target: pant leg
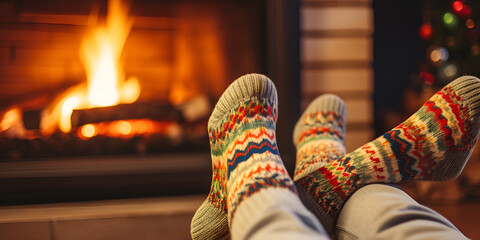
380	211
275	214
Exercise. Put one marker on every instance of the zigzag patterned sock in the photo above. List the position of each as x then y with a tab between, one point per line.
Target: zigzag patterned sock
242	130
244	153
433	144
319	134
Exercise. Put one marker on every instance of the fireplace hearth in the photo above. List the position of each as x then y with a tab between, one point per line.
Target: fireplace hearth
55	146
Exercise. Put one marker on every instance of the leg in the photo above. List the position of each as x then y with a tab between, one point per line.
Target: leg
380	211
275	214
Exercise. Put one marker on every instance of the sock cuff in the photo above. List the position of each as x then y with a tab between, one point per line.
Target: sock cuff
326	103
323	103
245	87
469	88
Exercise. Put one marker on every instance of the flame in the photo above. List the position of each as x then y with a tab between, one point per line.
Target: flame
103	87
10	118
11	124
100	54
67	108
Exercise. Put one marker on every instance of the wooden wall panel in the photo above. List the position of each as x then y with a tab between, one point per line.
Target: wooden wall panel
336	56
338	81
337	19
337	49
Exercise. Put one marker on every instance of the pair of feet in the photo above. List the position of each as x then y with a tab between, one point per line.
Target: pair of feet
433	144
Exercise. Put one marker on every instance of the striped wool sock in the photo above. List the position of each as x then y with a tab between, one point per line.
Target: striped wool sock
319	134
433	144
242	132
244	153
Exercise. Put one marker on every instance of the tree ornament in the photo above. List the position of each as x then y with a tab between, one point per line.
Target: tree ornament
470	23
426	31
450	20
457	6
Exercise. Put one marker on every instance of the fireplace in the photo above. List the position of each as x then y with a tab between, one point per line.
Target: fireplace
176	59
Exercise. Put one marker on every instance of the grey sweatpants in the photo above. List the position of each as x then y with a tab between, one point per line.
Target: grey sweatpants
375	211
380	211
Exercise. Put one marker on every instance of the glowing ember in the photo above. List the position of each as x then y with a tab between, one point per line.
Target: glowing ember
124	127
129	128
88	131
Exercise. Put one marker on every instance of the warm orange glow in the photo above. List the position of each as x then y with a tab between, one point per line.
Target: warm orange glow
128	128
10	118
67	109
11	124
88	131
140	127
130	90
124	127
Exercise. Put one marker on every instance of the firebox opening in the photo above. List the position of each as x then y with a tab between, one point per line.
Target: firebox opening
162	64
121	70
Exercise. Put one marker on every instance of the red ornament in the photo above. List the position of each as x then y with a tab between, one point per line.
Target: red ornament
457	6
466	11
474	34
427	77
425	31
461	9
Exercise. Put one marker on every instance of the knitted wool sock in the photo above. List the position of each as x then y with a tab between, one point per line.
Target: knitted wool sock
242	131
433	144
319	134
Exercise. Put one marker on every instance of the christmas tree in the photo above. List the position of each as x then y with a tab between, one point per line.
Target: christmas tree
450	44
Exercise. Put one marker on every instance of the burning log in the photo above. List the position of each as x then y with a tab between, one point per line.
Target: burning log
140	110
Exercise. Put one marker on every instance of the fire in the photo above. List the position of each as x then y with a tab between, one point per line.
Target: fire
11	123
103	87
100	54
